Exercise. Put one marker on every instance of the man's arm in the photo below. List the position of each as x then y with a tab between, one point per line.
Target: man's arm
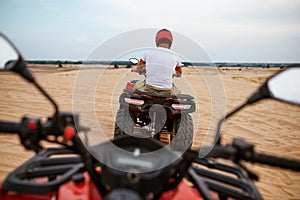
139	66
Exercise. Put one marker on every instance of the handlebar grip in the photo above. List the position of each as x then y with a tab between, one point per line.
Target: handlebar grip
276	161
218	152
230	152
142	71
10	127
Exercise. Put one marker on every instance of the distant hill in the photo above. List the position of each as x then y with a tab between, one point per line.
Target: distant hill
127	63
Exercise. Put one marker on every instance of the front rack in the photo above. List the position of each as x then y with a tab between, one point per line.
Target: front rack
227	181
44	172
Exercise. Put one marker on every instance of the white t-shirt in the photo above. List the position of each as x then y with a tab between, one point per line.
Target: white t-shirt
160	66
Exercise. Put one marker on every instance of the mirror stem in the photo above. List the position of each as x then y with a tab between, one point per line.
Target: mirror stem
47	96
218	133
21	69
263	92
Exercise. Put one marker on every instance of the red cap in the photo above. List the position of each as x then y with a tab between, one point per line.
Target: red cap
164	35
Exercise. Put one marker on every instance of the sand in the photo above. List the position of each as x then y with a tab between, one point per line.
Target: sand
271	125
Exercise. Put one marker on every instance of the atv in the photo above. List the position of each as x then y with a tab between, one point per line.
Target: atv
165	117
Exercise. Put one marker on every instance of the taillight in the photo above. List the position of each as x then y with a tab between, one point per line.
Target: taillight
134	101
181	106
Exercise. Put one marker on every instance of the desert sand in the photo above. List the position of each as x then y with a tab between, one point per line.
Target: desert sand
93	91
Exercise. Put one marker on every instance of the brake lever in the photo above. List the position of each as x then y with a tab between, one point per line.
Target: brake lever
245	151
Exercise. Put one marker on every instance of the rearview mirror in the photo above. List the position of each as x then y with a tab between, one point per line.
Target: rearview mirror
8	54
134	61
11	59
285	86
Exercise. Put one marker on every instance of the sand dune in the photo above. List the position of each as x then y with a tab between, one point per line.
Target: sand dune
271	125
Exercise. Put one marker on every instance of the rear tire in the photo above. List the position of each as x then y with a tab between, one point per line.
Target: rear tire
124	124
184	133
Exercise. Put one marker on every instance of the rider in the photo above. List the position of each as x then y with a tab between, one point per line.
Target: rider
161	65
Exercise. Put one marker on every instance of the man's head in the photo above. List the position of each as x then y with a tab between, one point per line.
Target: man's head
164	38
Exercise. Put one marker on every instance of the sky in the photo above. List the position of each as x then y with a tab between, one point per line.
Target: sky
228	30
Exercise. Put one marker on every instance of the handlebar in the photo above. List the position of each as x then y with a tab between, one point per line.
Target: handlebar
142	71
242	150
10	127
32	130
276	161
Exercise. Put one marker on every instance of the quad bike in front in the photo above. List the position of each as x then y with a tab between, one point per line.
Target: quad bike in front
165	117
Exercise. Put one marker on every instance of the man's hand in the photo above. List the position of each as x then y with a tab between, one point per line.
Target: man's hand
178	71
139	66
